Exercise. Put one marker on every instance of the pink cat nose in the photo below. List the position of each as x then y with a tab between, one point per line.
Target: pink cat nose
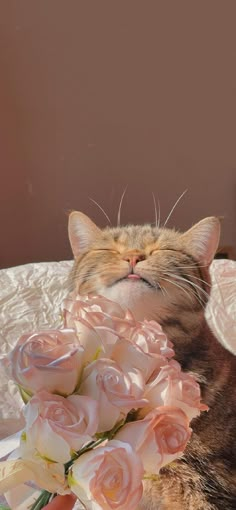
133	259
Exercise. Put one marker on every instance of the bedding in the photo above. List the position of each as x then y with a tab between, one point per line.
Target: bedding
31	297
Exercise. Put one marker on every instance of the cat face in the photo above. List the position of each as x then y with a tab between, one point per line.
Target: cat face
154	272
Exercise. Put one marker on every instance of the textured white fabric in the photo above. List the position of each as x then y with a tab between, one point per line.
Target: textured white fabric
31	297
221	310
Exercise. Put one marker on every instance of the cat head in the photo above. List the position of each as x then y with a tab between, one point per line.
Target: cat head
155	272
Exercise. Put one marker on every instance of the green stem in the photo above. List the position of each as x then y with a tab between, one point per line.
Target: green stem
44	498
86	448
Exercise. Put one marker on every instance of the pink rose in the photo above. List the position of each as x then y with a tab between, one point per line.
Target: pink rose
96	310
99	313
131	344
150	336
58	426
95	303
108	478
185	392
159	438
115	327
47	360
91	341
172	387
116	392
130	356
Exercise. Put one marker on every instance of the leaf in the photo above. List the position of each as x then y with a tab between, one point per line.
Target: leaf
25	395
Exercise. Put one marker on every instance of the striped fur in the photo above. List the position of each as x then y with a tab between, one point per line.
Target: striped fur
173	289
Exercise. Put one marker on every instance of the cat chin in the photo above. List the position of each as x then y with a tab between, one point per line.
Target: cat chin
137	296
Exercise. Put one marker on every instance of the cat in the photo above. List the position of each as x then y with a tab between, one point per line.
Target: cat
162	274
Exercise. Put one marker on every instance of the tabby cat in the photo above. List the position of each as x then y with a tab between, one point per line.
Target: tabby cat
162	274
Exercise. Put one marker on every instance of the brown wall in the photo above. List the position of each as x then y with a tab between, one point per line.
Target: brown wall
97	95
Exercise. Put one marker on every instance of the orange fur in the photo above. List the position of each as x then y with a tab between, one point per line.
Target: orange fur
173	289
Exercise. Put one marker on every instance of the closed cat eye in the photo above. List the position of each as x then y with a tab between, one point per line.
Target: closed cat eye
110	250
153	252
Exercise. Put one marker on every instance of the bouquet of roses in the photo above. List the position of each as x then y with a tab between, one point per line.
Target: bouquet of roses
106	407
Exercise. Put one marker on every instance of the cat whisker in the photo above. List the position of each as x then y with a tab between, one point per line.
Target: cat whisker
191	276
155	208
195	266
188	292
100	207
175	284
163	290
157	217
181	287
119	210
199	279
83	275
159	288
194	286
174	206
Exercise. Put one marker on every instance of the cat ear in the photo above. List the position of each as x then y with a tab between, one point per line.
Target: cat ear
202	239
82	232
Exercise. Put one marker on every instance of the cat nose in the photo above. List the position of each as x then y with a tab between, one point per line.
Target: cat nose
133	259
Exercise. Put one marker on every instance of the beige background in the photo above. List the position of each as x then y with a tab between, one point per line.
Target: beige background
97	95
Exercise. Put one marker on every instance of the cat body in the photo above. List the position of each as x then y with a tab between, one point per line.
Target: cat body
163	275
